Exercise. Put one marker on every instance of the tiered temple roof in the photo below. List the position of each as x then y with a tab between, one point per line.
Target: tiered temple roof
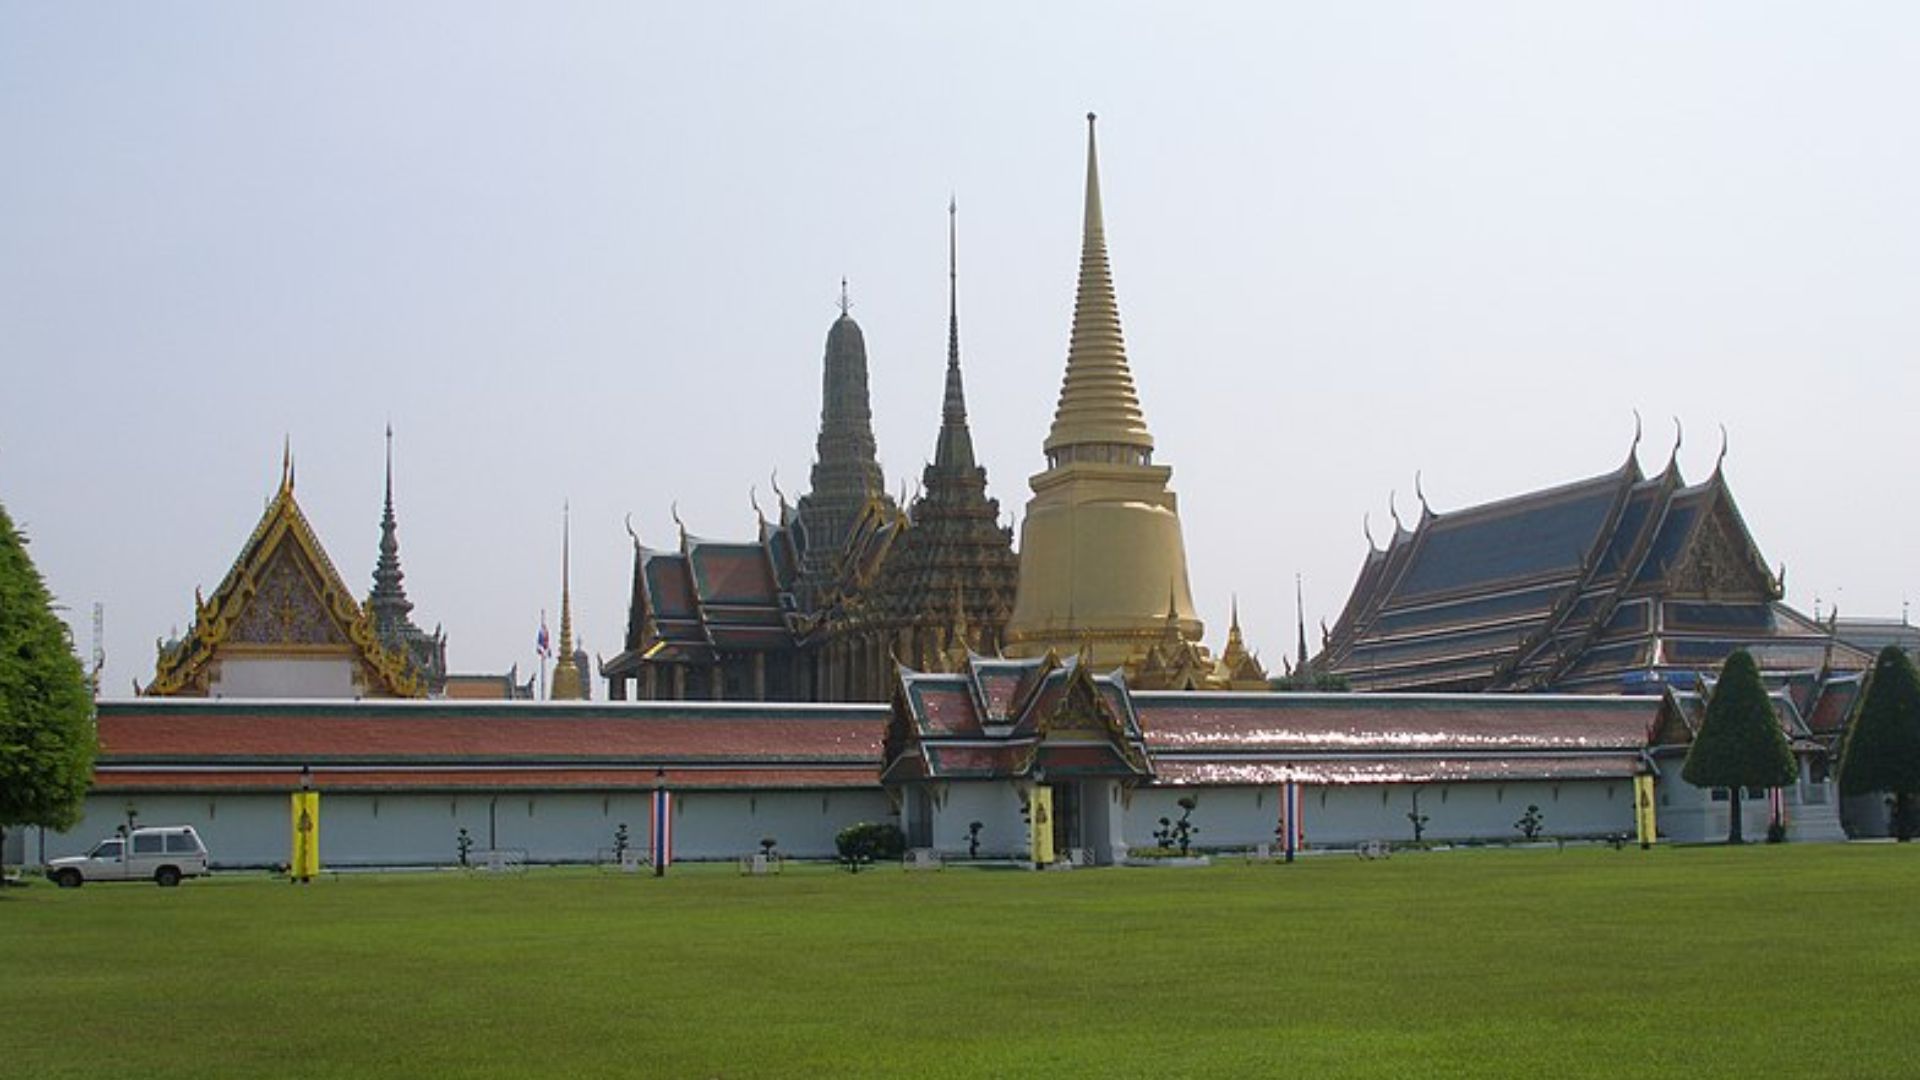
1614	582
708	597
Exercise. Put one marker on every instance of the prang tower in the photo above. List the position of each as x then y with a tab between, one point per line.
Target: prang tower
1102	564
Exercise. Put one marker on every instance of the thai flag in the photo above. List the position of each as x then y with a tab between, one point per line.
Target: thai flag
542	642
662	835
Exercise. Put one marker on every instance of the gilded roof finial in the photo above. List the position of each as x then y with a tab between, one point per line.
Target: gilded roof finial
566	673
286	462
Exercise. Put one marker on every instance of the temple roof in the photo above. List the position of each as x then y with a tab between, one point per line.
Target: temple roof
282	596
1604	583
259	745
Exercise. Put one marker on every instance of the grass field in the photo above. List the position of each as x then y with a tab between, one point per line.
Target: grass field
1764	961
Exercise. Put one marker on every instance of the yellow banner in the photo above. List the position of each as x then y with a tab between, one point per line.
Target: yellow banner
306	836
1643	816
1040	813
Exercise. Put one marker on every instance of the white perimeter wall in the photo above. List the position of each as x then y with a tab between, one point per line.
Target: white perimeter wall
420	829
1340	815
363	829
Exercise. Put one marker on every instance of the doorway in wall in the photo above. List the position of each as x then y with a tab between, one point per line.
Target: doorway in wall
1068	799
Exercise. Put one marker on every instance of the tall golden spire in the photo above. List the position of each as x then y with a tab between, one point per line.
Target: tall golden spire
566	673
1103	568
1098	404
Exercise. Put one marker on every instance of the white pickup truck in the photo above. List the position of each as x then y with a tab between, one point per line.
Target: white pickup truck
162	855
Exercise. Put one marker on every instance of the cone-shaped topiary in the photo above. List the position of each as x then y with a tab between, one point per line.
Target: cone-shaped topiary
1740	744
46	712
1882	748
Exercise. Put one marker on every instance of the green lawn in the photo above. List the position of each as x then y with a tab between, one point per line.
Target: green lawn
1764	961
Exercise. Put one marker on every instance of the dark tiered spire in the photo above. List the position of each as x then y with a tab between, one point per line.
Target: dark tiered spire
955	566
846	468
392	611
391	608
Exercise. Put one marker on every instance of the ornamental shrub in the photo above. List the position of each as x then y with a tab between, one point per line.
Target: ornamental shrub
1882	748
866	841
1740	744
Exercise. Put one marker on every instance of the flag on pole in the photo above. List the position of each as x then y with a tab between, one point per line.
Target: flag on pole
542	641
661	838
1777	806
1291	834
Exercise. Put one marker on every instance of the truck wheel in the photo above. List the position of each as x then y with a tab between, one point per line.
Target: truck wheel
67	879
167	876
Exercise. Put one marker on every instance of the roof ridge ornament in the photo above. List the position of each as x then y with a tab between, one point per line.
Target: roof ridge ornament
1679	439
1722	459
636	536
1394	512
1425	510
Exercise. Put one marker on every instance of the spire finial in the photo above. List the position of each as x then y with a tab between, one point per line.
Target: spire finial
286	461
846	304
953	452
1300	614
1098	402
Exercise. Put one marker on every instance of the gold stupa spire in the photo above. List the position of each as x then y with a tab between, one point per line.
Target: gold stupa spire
566	673
1098	404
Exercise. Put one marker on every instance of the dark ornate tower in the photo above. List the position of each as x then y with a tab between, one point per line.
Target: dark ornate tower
846	469
948	583
392	611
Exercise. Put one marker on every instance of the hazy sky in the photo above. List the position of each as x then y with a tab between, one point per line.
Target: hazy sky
591	252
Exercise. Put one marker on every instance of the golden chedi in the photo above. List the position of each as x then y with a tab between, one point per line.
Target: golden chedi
1103	568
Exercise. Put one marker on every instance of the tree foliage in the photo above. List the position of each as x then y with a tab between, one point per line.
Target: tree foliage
1740	744
1882	747
47	737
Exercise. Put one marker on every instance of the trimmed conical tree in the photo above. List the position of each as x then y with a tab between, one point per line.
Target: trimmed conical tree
1740	744
1882	748
46	713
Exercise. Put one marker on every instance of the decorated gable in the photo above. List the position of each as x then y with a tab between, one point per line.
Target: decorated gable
282	624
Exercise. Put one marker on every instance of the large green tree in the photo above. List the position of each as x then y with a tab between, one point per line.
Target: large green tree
47	737
1882	748
1740	744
